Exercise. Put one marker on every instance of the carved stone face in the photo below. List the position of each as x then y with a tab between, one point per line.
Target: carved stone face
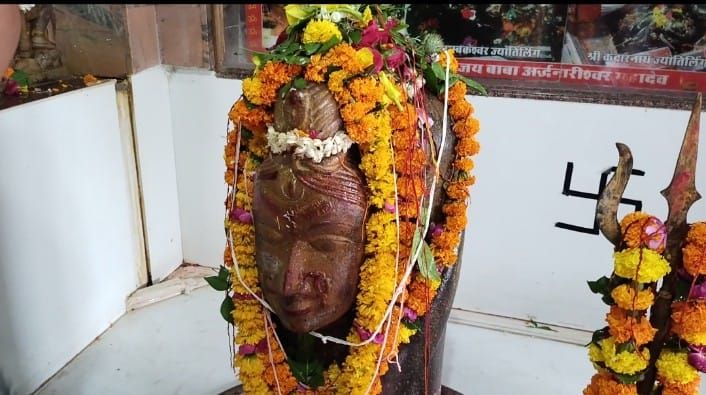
309	238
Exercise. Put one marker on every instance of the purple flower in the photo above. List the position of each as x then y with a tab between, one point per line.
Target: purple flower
261	346
12	88
246	349
697	359
377	60
365	335
245	218
313	134
699	291
435	230
409	314
390	207
656	233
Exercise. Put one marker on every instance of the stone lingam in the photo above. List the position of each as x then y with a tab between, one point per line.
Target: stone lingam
348	168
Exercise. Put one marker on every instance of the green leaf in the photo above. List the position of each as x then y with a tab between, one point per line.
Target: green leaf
300	83
21	77
227	308
246	134
629	378
427	266
473	85
432	81
329	44
627	346
600	335
416	325
439	72
600	286
311	48
283	90
310	373
296	59
355	36
223	273
217	283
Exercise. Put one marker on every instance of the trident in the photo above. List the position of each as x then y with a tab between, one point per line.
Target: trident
680	195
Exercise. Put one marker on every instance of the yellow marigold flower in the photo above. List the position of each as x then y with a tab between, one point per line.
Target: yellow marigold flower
624	362
251	89
625	297
690	388
652	266
453	66
605	384
674	367
405	334
320	31
365	57
595	354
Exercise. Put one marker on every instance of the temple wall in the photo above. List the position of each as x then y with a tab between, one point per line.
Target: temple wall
71	247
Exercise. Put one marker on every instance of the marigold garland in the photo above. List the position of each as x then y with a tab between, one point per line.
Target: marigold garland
623	349
381	118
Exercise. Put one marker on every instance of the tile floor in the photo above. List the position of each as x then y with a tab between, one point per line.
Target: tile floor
180	346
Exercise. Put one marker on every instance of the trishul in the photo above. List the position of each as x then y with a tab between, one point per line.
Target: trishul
680	195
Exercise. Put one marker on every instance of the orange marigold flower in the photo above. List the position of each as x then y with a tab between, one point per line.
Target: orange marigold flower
227	257
403	139
461	109
316	69
467	147
287	382
229	177
689	318
457	190
455	209
464	164
410	187
445	257
408	208
254	119
405	119
456	223
420	295
457	92
694	251
406	232
624	328
690	388
447	240
410	162
355	111
694	258
366	89
466	128
697	233
603	383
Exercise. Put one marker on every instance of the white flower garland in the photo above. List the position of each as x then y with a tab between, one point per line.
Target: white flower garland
314	149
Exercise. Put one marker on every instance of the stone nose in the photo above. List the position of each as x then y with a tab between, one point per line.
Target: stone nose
295	271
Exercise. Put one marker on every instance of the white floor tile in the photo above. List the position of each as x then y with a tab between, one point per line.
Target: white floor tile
178	346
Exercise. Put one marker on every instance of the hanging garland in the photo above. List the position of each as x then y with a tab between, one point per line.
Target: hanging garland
377	76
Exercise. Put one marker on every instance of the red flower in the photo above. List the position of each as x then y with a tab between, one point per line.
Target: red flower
396	58
468	13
